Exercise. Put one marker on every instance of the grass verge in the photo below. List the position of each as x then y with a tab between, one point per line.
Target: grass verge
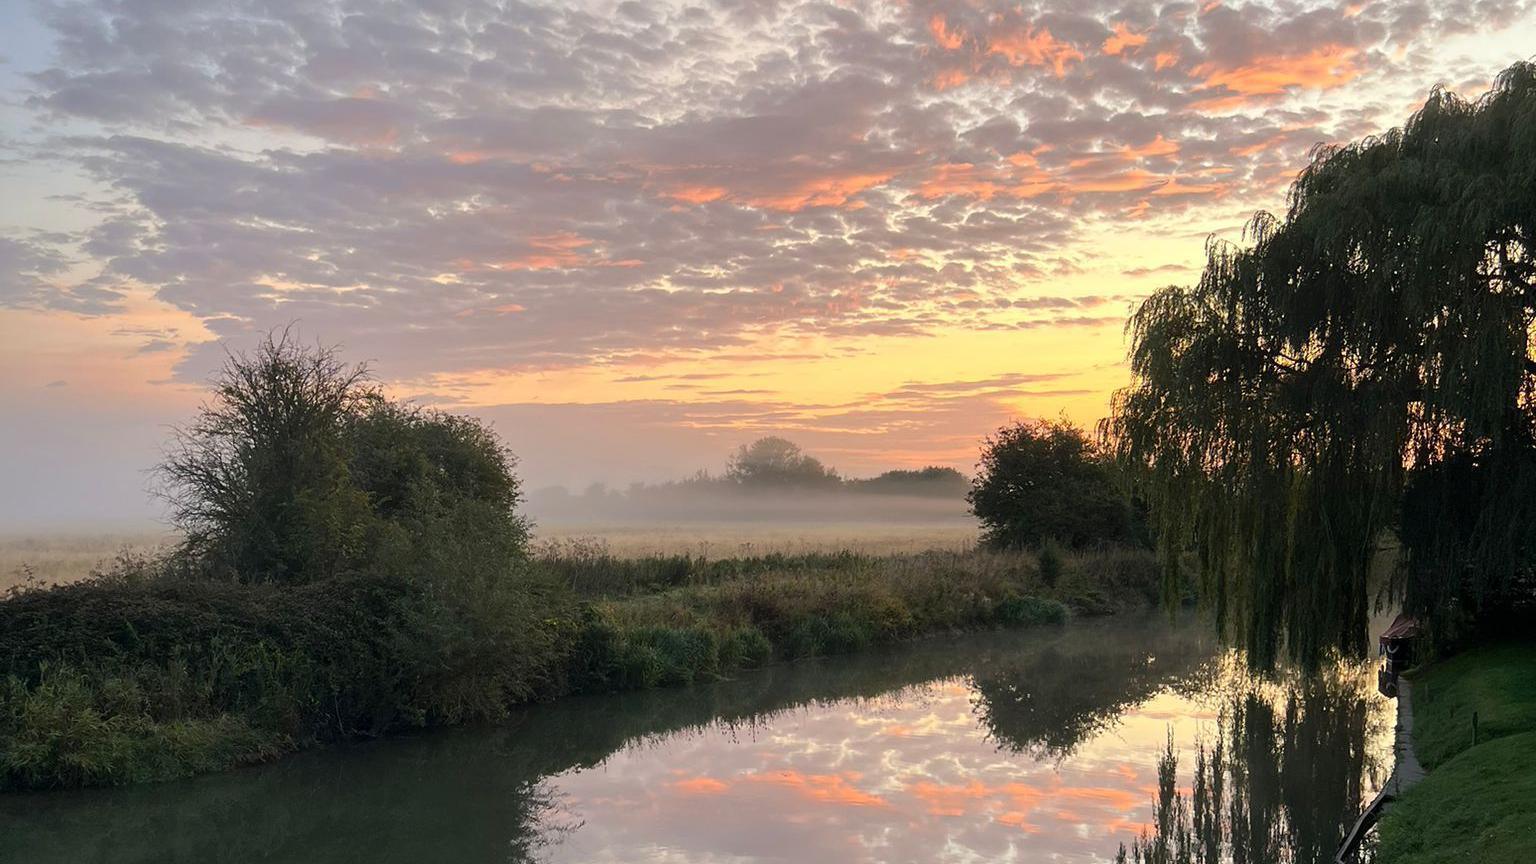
1478	802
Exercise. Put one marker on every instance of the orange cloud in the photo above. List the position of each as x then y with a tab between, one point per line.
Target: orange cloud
1320	69
701	786
951	39
1164	59
1030	47
551	251
1122	39
698	194
1158	146
950	78
829	191
1178	187
950	800
1130	181
961	178
827	788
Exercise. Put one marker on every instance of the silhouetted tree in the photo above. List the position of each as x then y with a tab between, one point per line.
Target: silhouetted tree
1046	480
298	468
1380	330
933	481
775	461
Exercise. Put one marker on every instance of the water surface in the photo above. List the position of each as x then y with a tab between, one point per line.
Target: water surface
1031	746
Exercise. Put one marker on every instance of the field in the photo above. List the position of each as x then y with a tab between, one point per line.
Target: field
737	540
60	557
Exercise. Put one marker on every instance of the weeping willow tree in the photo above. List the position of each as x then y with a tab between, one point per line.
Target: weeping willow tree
1362	365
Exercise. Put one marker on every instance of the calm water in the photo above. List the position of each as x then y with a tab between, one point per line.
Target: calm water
1038	746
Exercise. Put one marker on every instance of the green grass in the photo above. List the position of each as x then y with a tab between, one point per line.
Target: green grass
1497	682
1480	806
1478	803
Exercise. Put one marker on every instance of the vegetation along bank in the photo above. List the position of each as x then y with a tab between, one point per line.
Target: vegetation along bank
355	567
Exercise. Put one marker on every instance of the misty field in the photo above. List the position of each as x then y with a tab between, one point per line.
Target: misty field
738	539
65	556
60	557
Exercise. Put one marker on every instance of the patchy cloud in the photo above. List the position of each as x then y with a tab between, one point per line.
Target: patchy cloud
554	184
528	186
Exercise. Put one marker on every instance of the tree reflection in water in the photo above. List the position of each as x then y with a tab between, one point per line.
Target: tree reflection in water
1289	771
1046	703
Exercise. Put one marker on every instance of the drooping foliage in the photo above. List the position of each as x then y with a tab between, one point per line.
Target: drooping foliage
299	469
1046	480
1375	339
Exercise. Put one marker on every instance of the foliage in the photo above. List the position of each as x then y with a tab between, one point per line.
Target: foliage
1050	563
1049	701
1046	480
1380	328
298	470
144	673
591	570
774	461
933	480
809	612
142	676
258	483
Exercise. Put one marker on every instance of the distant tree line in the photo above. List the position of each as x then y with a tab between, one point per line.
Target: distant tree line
776	464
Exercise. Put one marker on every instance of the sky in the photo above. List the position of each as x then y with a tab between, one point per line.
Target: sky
635	235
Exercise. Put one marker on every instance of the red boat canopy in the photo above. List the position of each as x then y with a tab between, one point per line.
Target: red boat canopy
1402	627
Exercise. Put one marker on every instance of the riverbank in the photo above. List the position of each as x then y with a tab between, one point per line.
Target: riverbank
141	676
682	771
1478	801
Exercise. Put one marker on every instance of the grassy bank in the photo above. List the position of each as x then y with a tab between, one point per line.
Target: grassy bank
145	674
1478	802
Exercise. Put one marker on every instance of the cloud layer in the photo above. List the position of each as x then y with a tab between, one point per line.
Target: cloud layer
468	187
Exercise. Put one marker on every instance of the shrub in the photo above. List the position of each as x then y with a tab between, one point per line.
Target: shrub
298	469
1015	611
744	648
1044	480
127	679
1050	563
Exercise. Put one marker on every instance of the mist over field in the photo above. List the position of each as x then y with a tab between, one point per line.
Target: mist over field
557	506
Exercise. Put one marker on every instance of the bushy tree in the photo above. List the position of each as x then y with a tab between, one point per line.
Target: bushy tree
298	469
775	461
1045	480
259	483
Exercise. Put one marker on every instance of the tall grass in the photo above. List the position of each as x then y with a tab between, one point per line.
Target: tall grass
671	620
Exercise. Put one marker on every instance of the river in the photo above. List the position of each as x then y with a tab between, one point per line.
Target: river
1028	746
